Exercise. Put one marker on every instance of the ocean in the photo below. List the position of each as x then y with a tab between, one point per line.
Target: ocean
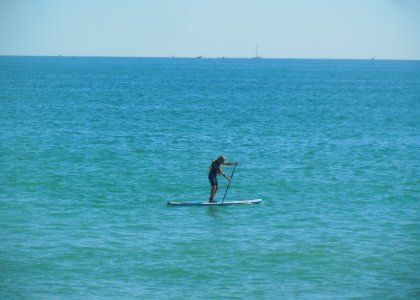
91	150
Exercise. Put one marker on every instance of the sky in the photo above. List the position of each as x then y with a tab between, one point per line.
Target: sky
383	29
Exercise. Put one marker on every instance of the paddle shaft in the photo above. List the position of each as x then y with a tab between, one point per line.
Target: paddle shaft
231	176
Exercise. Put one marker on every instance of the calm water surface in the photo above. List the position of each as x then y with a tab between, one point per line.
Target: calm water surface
91	149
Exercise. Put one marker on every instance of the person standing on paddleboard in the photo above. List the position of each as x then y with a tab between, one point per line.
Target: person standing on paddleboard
216	169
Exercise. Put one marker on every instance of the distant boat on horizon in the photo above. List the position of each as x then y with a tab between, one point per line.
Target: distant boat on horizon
256	53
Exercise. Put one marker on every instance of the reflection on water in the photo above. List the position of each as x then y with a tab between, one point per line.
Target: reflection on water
213	211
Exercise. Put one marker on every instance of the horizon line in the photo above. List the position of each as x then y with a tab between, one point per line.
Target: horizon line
207	57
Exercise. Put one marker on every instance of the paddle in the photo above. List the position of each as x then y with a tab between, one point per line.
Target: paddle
231	176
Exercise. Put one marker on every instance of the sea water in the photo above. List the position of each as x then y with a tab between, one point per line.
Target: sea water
91	149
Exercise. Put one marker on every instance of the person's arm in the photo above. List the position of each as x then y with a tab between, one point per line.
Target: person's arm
224	175
227	164
231	163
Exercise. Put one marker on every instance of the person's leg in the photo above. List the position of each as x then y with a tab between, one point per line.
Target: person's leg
213	192
214	188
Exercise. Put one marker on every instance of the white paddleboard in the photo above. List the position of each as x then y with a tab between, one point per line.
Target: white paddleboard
225	203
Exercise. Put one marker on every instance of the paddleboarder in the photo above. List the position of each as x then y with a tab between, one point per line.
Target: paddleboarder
215	170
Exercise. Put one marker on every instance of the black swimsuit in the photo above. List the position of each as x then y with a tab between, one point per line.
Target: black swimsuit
214	171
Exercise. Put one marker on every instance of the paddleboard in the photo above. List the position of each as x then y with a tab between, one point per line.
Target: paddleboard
226	203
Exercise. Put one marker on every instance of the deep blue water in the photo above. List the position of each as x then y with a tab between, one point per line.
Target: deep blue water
91	149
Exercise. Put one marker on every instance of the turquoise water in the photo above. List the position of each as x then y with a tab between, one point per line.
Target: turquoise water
91	149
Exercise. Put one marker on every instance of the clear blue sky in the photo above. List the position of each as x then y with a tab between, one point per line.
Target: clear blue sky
231	28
